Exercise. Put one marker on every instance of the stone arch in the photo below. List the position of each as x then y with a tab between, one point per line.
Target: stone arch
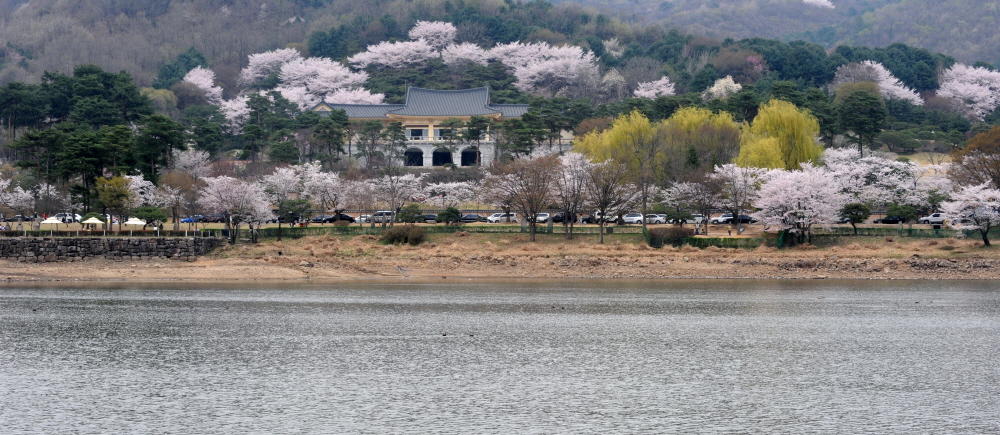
471	156
442	157
413	157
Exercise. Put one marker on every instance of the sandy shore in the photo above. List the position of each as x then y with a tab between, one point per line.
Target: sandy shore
463	255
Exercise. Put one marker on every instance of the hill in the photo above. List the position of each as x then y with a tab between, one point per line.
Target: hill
964	29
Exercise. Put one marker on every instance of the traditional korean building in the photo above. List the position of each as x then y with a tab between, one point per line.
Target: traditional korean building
422	114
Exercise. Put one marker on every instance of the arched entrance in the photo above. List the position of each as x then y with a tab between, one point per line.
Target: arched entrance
413	157
442	157
471	156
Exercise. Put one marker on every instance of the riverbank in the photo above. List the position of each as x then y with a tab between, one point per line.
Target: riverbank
463	255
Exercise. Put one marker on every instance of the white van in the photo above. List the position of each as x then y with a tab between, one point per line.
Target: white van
383	216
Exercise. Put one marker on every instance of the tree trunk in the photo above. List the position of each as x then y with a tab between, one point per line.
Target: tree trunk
986	237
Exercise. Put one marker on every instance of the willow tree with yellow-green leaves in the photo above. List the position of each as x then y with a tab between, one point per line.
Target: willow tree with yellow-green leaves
793	131
696	140
631	140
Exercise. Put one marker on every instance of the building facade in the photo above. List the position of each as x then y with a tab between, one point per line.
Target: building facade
422	115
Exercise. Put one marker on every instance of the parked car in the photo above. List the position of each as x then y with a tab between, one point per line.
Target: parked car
727	218
17	217
290	218
193	219
890	220
501	217
383	216
431	217
596	218
632	218
542	218
215	217
330	218
472	217
933	219
67	217
365	218
656	218
561	216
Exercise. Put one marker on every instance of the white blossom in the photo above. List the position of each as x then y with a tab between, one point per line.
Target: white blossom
264	64
662	87
204	79
453	194
395	55
976	89
819	3
799	199
464	53
194	163
354	96
320	75
870	71
974	208
236	112
722	88
437	34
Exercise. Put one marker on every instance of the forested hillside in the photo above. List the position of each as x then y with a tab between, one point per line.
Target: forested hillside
964	29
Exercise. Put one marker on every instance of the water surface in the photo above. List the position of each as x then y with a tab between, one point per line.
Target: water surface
504	357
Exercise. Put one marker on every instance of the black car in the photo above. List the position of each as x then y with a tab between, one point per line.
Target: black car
214	218
327	218
890	220
290	217
431	217
561	216
469	218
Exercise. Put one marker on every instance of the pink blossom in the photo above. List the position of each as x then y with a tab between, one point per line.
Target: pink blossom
464	53
354	96
436	33
320	75
237	112
192	162
871	71
662	87
233	197
299	95
974	208
263	64
204	79
976	89
798	198
395	55
446	195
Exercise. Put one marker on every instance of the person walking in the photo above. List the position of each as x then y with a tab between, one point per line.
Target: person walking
730	229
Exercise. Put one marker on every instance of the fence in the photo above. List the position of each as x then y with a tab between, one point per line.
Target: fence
102	233
892	231
357	230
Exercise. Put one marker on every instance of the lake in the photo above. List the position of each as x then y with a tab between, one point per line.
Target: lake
503	357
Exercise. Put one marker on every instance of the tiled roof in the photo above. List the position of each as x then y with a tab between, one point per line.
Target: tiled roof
431	102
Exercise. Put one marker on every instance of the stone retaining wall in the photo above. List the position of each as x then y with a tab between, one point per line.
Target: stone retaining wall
48	249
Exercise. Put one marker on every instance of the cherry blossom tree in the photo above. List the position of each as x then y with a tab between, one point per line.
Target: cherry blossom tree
571	187
974	208
395	55
354	96
700	198
875	180
204	79
320	75
261	65
444	195
737	187
527	182
237	112
238	200
437	34
395	188
609	191
326	190
870	71
722	88
977	89
192	162
16	198
798	199
285	184
662	87
360	194
464	54
542	69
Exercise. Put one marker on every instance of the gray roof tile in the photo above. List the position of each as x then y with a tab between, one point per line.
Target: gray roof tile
430	102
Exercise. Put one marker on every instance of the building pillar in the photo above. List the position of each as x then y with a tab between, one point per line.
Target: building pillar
428	155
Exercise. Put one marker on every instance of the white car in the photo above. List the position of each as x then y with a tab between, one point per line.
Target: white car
656	218
501	217
633	218
542	218
934	219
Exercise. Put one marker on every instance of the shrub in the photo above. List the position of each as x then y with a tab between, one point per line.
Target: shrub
341	223
450	214
672	235
410	214
404	234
